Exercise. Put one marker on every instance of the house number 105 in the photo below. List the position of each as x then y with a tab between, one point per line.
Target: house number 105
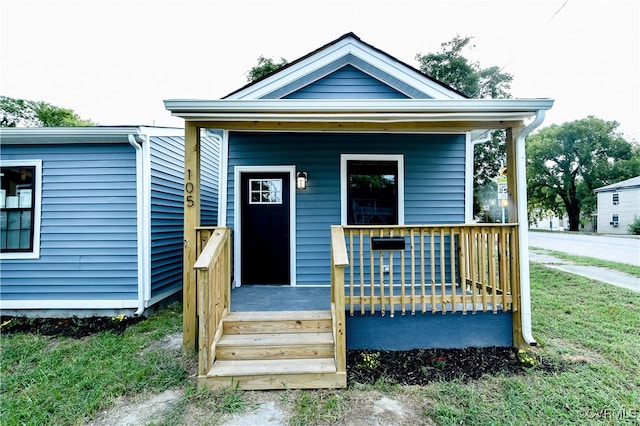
188	188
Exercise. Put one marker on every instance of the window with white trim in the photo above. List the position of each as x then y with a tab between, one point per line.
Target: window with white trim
20	183
616	199
372	189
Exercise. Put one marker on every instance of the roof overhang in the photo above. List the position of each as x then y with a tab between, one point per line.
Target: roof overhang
398	113
82	135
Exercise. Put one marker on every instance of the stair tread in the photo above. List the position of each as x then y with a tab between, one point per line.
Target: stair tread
278	316
272	367
274	339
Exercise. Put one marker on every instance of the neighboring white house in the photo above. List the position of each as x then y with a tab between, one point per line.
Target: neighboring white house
618	206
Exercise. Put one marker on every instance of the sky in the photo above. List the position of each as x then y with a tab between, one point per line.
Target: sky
114	62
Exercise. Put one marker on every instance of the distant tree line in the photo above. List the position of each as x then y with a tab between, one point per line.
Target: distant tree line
25	113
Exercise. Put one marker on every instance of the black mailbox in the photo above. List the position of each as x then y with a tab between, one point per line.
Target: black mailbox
388	243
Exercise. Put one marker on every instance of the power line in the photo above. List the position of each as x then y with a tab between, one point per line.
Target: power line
548	22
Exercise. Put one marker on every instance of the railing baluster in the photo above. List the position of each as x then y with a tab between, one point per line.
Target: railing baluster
372	275
381	271
513	267
464	261
351	272
361	256
433	271
422	272
492	270
452	260
413	271
392	305
402	277
443	273
503	259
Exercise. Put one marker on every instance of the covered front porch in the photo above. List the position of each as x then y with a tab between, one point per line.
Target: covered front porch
266	337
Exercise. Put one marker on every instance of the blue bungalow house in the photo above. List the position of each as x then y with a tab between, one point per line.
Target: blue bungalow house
345	221
92	218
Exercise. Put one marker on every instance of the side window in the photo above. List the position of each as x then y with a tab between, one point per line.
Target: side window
614	220
616	199
20	208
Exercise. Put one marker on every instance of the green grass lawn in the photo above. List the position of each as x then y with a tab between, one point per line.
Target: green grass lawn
595	329
61	380
590	328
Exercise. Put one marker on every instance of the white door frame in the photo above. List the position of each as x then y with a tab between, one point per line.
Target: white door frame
237	215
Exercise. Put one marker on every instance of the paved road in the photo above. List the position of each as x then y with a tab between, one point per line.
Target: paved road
616	249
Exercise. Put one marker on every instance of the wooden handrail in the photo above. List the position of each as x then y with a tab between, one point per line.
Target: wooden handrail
213	268
213	248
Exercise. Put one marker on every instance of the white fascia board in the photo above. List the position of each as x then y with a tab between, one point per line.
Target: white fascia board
359	118
180	107
81	135
337	51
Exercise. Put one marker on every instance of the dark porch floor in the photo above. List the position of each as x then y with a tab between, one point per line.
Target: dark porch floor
249	298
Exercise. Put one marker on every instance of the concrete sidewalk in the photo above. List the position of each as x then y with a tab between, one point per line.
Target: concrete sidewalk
606	275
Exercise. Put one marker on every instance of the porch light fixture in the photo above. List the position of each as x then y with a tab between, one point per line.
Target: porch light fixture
301	180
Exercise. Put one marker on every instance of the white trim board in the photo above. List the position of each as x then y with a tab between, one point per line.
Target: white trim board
237	206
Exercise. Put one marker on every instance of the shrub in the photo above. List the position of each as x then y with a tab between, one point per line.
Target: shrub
634	228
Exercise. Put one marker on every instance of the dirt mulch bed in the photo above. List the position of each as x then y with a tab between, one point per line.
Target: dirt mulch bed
68	327
414	367
422	366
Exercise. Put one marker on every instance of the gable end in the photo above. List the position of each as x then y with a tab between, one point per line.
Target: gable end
348	62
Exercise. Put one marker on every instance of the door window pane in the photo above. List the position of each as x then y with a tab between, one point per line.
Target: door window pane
265	191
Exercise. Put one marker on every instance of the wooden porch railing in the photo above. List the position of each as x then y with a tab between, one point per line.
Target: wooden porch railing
339	261
426	268
213	269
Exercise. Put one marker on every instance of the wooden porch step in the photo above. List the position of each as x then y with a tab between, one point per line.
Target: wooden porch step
275	346
275	374
275	350
272	366
278	322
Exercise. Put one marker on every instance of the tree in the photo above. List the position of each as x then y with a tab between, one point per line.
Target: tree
25	113
565	163
451	67
265	66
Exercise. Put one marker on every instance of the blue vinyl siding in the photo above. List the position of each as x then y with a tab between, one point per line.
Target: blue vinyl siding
434	181
88	247
347	83
167	216
167	200
209	179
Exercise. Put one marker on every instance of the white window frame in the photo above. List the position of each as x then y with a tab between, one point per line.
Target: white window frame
344	158
615	198
37	208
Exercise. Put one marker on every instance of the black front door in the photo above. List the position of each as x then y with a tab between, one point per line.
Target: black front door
265	221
